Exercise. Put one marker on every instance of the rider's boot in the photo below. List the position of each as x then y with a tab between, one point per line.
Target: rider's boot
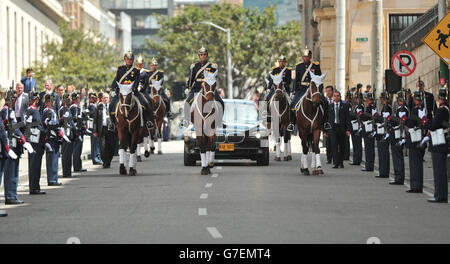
291	126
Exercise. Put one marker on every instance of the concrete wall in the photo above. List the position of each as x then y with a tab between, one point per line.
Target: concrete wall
23	29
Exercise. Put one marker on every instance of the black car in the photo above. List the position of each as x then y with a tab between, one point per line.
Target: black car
244	135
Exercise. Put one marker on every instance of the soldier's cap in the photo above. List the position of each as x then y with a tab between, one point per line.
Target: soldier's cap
75	95
282	58
306	52
34	96
92	94
383	95
442	94
48	97
359	95
349	94
418	95
154	62
66	96
369	96
100	94
202	50
129	54
359	85
140	59
400	96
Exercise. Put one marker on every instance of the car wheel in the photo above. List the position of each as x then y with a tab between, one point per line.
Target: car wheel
188	160
264	159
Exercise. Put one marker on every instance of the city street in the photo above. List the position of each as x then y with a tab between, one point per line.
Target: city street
239	203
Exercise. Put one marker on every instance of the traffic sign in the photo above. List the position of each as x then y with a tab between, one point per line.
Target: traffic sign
403	63
437	38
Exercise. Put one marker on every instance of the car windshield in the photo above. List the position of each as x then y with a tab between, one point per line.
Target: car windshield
240	112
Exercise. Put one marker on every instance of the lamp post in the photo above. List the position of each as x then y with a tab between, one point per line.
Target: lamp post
229	77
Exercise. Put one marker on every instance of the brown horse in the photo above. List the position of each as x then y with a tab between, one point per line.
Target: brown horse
159	108
205	111
129	123
279	111
309	122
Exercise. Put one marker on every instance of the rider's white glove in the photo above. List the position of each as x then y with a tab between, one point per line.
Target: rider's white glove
401	114
28	147
66	139
386	114
12	115
86	111
386	136
358	110
421	113
12	154
374	111
29	119
424	140
66	114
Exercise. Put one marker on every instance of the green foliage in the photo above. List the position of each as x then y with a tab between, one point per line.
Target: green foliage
256	43
83	58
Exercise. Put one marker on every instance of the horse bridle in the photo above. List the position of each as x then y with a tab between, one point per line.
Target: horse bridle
204	93
281	90
311	94
127	106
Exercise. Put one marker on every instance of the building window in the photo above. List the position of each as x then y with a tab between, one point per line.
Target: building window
140	4
397	23
145	22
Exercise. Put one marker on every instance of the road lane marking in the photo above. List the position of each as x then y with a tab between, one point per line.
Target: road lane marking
214	175
203	196
202	211
214	232
208	185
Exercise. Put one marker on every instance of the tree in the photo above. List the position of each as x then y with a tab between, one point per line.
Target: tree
256	43
83	58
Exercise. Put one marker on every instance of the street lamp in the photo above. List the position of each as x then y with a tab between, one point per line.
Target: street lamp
229	77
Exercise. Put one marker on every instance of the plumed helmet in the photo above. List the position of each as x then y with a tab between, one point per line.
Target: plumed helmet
417	95
306	52
140	60
202	50
400	96
154	61
129	55
282	58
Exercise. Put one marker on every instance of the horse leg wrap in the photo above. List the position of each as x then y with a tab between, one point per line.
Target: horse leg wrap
278	144
318	164
304	161
146	147
289	148
133	160
122	156
203	159
208	156
286	149
152	143
211	157
159	143
138	150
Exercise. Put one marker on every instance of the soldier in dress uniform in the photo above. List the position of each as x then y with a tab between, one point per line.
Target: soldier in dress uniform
397	139
69	128
17	142
301	84
53	134
370	111
127	74
75	110
382	137
104	129
287	78
35	133
415	156
196	78
439	147
95	143
357	111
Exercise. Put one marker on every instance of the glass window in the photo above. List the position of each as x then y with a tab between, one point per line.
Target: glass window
396	24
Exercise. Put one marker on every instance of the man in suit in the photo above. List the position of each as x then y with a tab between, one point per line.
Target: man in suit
29	82
49	90
21	103
104	130
340	126
327	140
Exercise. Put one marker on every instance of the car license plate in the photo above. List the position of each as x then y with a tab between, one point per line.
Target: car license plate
226	147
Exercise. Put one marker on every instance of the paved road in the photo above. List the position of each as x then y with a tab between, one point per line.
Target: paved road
239	203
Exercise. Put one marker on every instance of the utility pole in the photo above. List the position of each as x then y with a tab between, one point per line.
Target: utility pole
377	46
442	11
340	46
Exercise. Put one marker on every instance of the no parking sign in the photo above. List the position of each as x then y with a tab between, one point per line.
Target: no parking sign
403	63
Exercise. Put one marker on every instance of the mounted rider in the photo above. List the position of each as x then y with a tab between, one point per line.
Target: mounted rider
302	82
196	78
156	75
127	74
287	78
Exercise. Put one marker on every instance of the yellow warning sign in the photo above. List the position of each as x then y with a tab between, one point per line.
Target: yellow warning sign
438	39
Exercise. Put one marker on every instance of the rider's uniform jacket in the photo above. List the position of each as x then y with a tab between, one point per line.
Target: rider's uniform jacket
287	77
148	75
196	77
300	70
132	76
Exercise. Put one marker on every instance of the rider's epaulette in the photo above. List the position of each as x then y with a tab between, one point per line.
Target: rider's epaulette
274	67
214	65
161	71
298	63
316	62
289	68
146	70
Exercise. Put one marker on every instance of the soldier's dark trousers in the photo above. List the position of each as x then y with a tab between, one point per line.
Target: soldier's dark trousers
369	151
384	161
11	173
107	146
357	148
66	158
327	142
34	167
51	159
415	167
439	160
77	150
347	148
398	161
